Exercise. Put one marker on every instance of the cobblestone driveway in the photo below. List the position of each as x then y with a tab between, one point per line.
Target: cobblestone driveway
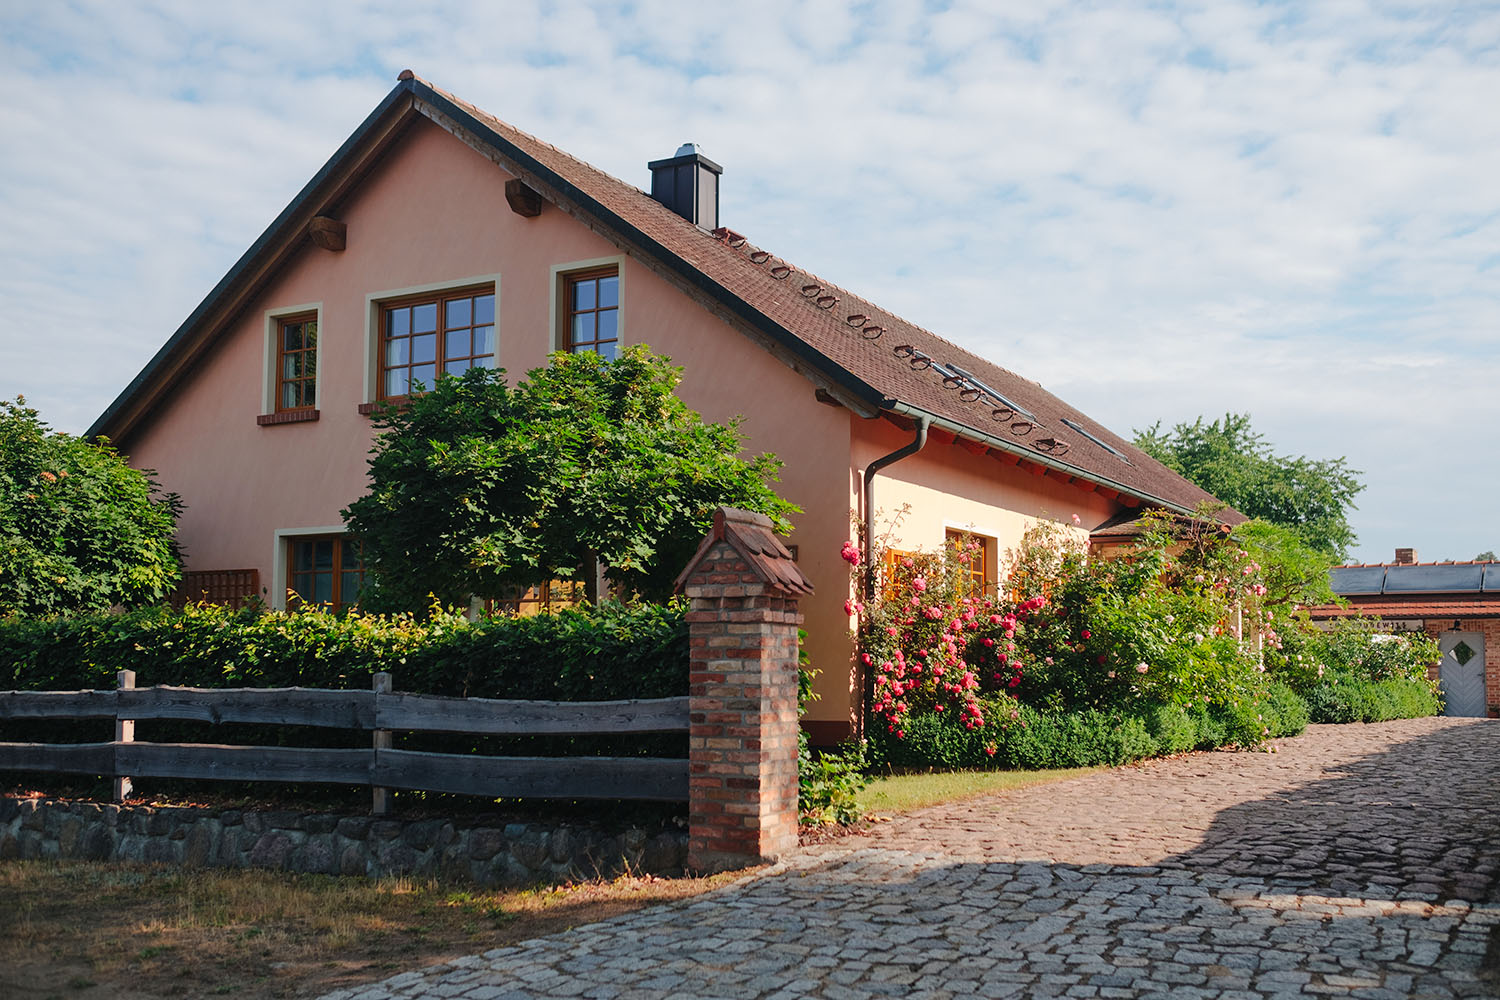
1360	861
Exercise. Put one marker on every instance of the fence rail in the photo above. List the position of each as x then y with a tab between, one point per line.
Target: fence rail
379	711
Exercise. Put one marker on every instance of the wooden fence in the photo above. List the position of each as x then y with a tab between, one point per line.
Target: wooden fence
380	711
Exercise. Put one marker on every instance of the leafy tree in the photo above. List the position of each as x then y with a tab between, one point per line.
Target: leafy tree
477	487
1488	555
79	529
1312	497
1292	571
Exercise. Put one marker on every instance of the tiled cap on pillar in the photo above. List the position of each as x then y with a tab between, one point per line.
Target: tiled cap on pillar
750	535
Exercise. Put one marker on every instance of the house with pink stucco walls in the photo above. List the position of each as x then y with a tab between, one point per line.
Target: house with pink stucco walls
438	237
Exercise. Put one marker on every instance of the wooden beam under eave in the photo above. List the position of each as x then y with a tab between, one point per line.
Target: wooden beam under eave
524	200
1005	457
1059	475
1033	468
973	447
1085	485
1130	501
941	436
327	233
1108	494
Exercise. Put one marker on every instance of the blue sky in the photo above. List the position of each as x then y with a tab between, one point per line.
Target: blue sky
1157	211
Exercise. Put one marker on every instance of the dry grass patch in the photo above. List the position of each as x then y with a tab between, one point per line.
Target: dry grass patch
72	929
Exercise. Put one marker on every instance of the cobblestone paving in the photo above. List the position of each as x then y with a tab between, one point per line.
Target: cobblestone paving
1359	861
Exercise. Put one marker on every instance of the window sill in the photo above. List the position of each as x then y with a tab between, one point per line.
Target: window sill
287	417
399	402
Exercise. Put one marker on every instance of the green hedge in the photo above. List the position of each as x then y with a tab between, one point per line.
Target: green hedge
1354	699
1035	739
582	654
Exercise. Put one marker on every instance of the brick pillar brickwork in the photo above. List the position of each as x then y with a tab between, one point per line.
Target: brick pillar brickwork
742	626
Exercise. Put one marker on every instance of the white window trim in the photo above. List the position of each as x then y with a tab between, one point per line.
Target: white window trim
372	323
270	368
279	571
557	283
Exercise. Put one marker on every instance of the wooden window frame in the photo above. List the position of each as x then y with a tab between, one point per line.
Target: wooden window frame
980	578
571	280
308	381
439	300
336	601
539	598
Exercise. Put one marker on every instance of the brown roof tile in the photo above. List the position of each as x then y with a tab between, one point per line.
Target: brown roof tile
886	353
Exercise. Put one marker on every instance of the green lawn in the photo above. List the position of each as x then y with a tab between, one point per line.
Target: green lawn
904	792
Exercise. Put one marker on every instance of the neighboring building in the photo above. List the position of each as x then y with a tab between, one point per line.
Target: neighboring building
438	238
1457	603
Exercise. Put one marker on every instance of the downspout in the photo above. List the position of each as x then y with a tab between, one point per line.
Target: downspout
915	445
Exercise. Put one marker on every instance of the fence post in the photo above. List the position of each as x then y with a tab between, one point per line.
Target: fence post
124	732
380	798
742	742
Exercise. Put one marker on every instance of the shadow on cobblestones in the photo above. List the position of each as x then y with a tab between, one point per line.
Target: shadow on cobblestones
1359	863
1420	819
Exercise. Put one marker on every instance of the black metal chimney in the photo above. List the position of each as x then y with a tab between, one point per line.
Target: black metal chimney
688	184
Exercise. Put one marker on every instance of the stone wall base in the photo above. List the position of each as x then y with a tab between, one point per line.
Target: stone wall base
512	855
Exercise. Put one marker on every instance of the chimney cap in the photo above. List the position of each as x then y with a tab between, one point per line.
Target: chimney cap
688	149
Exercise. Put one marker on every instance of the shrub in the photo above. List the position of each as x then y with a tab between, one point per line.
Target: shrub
1173	729
829	784
1347	698
594	652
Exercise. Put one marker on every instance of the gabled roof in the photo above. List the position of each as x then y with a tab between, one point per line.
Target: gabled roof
862	356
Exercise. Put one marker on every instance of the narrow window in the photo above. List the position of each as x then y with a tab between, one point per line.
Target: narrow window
972	552
439	334
593	312
297	363
325	571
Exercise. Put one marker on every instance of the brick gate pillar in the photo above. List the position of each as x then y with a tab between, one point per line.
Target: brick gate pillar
742	627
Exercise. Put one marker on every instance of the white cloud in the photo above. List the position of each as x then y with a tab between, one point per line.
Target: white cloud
1157	212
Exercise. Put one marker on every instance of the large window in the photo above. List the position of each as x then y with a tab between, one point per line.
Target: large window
297	363
554	595
324	570
592	315
439	333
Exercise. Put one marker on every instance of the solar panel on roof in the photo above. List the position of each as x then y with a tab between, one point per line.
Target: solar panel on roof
1491	578
1456	578
1356	579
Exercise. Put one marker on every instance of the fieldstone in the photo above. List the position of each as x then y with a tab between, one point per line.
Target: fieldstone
560	847
394	858
283	819
270	850
485	842
31	845
199	848
422	835
162	850
67	836
352	861
354	827
9	809
10	848
254	822
320	823
97	843
52	816
31	815
662	854
231	817
530	850
111	813
231	847
386	829
316	857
